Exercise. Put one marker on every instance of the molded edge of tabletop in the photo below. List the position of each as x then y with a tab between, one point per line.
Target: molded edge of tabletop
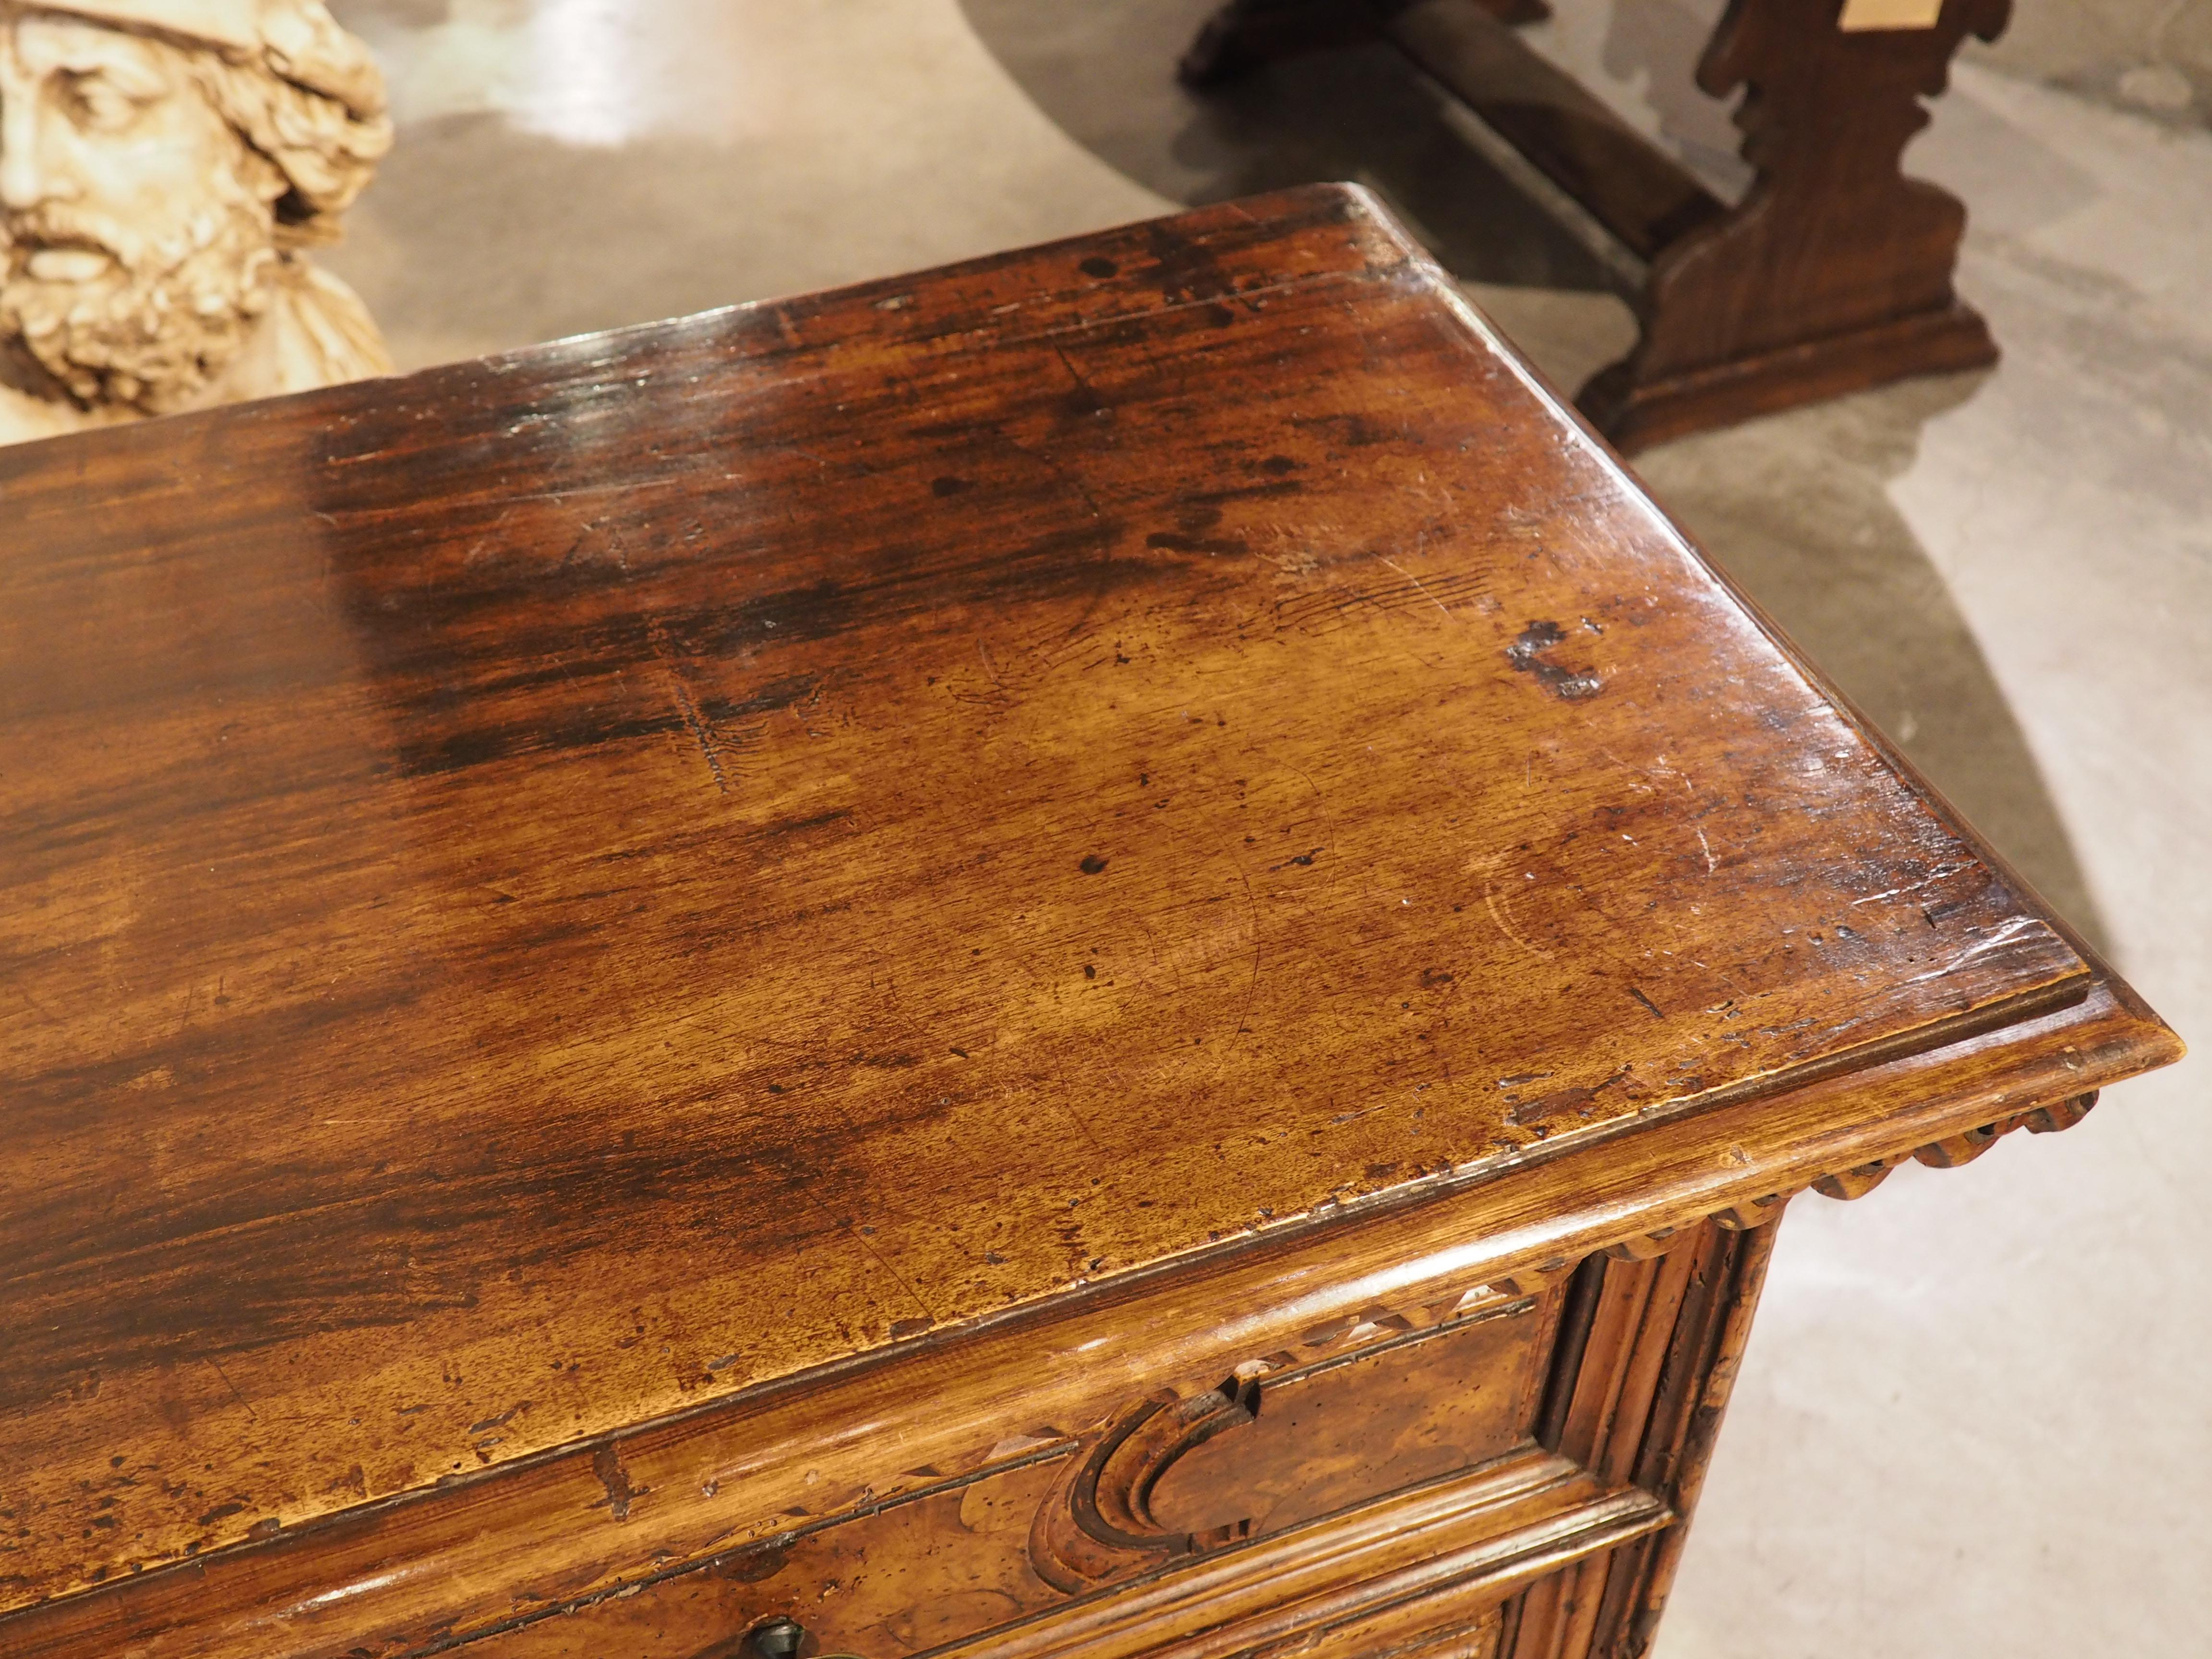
420	1570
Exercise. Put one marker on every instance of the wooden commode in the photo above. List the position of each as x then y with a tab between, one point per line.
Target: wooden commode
1106	953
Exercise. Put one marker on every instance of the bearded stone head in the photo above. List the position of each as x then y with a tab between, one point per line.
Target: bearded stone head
162	164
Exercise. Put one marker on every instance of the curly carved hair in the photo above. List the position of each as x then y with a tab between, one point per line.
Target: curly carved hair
325	152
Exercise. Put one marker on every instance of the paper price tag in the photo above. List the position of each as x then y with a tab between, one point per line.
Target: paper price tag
1866	15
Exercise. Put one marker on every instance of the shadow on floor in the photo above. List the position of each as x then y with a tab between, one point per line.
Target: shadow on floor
1104	72
1795	506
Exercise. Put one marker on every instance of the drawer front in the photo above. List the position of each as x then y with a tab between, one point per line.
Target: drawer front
1385	1489
1455	1625
913	1575
1168	1481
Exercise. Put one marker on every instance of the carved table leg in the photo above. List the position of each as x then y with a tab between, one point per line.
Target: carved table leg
1834	273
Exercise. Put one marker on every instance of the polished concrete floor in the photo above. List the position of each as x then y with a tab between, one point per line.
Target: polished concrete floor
1975	1418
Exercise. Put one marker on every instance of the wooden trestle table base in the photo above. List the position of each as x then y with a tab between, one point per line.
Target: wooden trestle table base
1831	275
1108	953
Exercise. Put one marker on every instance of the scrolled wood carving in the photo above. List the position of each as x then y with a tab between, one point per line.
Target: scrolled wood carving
1952	1151
2051	1119
1742	1218
1097	1524
1857	1181
1647	1247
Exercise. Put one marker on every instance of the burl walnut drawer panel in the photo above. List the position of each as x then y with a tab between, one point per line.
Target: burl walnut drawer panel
1392	1407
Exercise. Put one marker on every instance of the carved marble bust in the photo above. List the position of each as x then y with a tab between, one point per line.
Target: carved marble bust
163	163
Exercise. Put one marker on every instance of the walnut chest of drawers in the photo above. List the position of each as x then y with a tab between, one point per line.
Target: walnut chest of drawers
1106	953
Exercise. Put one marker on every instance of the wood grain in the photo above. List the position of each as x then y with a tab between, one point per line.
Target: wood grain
613	944
482	1553
1448	1625
1187	1479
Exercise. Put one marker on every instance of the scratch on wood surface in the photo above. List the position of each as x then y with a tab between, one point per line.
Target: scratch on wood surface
702	734
844	1225
705	738
1252	989
233	1387
983	653
1941	872
1497	915
1424	592
2004	936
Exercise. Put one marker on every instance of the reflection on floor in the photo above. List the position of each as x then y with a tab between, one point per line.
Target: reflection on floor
1971	1423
